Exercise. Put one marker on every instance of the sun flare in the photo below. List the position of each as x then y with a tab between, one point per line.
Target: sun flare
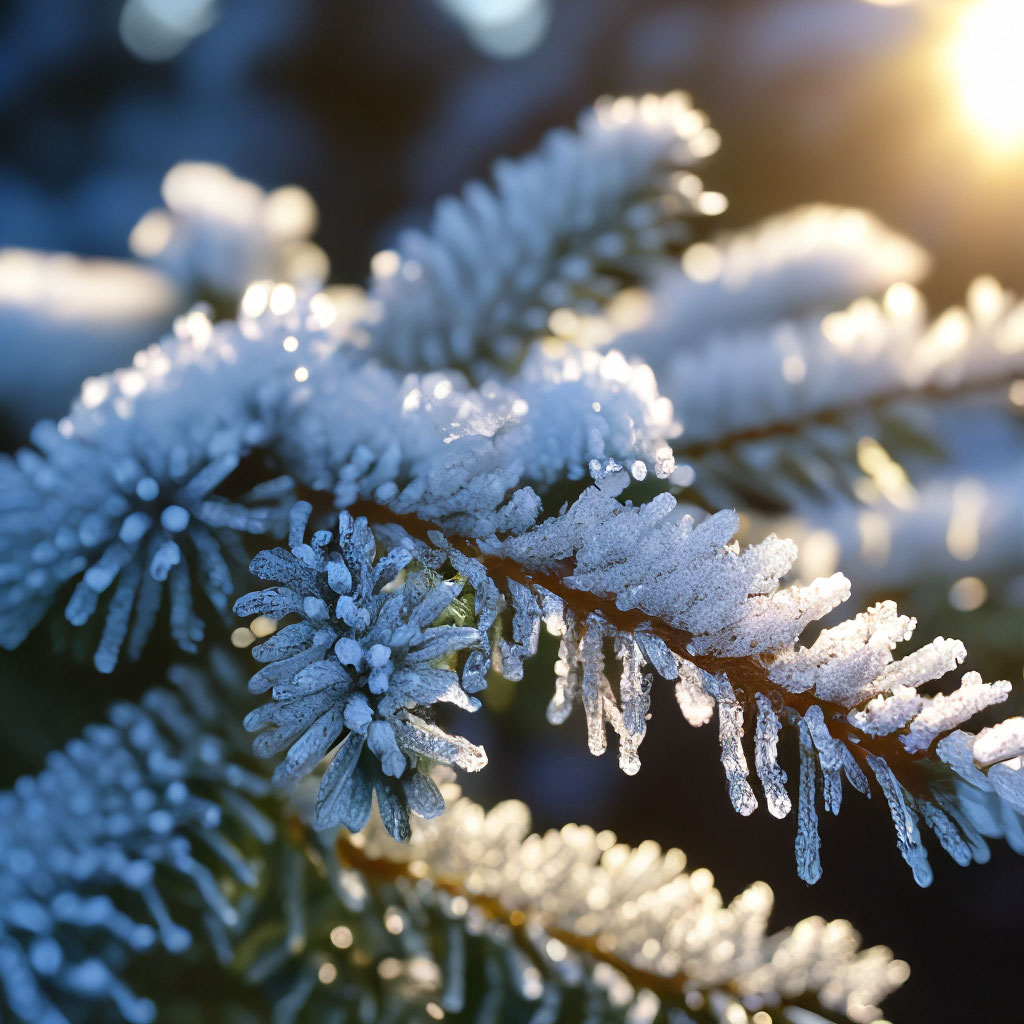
987	63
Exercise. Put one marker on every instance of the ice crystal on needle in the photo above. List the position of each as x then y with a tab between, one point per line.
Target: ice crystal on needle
362	666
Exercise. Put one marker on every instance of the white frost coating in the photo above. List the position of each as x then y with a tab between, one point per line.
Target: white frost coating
845	658
555	231
884	715
580	882
812	258
586	405
948	710
688	576
220	232
999	742
466	458
796	370
925	664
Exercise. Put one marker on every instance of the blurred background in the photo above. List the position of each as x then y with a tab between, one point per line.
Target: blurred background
341	123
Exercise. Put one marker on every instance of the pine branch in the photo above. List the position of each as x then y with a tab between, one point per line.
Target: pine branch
810	260
631	911
790	422
154	829
857	711
561	230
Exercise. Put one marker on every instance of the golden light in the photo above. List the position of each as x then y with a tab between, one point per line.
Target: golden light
989	71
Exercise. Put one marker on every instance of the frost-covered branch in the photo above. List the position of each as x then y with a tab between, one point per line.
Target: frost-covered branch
810	260
559	230
607	574
459	561
674	599
580	905
153	831
798	374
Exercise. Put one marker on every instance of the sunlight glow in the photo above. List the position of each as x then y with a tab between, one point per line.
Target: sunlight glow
989	72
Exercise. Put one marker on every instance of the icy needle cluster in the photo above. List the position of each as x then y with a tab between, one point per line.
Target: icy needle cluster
592	912
138	811
359	673
559	230
861	693
120	498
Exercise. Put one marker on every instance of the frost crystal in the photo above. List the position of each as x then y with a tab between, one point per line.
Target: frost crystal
651	559
808	842
361	665
908	838
766	743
